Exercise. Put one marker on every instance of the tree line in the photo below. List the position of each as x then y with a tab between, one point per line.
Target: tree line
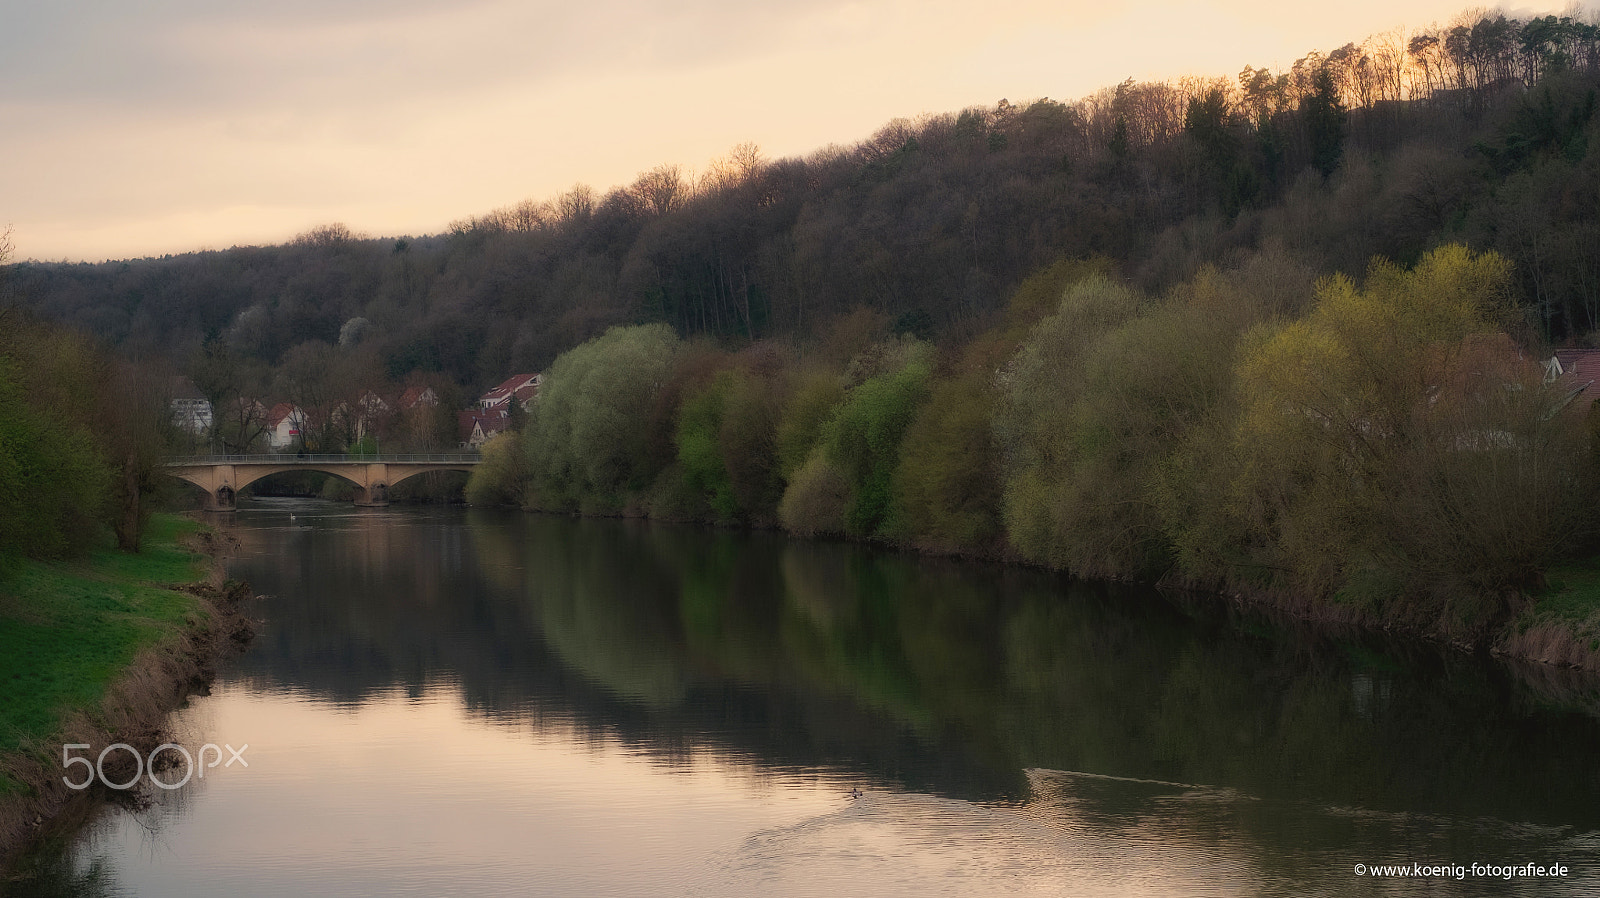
1476	133
1380	450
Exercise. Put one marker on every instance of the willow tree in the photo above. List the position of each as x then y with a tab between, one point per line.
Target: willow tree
587	439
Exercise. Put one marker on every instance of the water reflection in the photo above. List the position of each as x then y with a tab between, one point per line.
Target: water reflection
446	700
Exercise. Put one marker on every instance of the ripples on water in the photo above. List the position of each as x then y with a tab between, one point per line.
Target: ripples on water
454	704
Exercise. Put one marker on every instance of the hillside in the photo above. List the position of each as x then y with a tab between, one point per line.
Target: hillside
1478	134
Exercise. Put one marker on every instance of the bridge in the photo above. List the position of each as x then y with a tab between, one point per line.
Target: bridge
222	476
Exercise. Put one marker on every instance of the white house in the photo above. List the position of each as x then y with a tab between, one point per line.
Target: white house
191	410
284	425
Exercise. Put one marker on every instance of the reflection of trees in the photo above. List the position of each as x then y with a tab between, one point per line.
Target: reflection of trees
943	676
605	619
53	874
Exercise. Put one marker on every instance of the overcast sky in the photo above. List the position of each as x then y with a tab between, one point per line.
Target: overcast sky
141	128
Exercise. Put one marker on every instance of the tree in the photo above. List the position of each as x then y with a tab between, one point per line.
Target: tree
862	439
134	421
1390	454
502	475
308	378
1325	122
661	190
584	440
52	481
946	485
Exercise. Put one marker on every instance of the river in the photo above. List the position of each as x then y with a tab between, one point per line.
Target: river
469	702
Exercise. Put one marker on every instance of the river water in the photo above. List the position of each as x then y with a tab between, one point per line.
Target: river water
465	702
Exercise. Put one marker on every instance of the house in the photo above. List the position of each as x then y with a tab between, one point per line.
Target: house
370	412
524	389
191	410
476	426
415	396
285	424
1574	374
372	405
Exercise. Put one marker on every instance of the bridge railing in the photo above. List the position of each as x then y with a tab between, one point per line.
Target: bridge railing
323	458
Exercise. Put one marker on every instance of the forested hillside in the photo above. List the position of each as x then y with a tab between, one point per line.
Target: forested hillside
1478	133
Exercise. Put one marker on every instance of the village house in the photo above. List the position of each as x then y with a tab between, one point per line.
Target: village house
476	426
191	410
415	396
1574	374
523	389
285	424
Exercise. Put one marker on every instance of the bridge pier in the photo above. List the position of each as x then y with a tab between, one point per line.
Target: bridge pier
218	482
372	491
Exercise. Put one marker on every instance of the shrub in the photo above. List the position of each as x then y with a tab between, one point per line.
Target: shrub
818	498
862	439
501	477
946	493
52	482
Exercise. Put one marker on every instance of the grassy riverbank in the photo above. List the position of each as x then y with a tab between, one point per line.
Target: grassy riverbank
1562	625
70	631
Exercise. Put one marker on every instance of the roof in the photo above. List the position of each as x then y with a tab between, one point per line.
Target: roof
1574	375
1579	363
283	410
418	395
1575	369
523	387
492	420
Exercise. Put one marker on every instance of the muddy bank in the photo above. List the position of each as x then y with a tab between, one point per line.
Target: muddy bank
133	711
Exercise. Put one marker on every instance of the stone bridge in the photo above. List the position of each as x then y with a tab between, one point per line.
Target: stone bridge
222	476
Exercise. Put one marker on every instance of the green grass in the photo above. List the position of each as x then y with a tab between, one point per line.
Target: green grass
67	629
1573	592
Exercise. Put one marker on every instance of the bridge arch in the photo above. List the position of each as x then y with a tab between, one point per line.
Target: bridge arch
223	476
251	475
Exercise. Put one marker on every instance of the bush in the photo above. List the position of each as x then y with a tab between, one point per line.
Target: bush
1387	437
501	477
700	421
726	441
52	483
800	425
862	439
818	498
946	493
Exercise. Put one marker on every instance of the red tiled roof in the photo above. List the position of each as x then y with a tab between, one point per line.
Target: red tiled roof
414	395
280	411
491	420
523	387
1578	366
1578	382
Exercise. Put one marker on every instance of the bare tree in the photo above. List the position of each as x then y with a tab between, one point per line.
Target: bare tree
661	189
135	427
5	253
328	235
576	205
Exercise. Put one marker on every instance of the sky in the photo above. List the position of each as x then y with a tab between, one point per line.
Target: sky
130	129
